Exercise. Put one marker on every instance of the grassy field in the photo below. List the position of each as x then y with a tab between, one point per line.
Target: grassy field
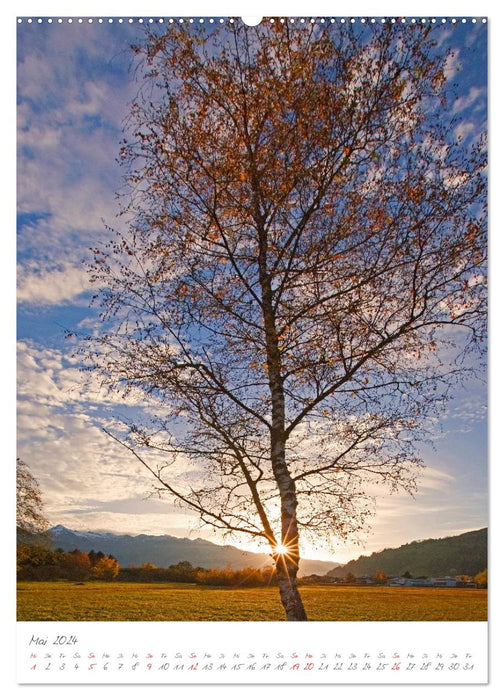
175	601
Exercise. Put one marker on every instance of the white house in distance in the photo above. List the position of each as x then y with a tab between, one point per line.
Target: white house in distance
441	582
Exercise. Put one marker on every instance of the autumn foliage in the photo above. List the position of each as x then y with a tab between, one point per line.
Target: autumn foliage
38	562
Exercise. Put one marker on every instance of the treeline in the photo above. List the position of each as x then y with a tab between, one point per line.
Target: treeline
36	562
184	572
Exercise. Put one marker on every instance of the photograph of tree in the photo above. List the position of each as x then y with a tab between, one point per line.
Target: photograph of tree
252	286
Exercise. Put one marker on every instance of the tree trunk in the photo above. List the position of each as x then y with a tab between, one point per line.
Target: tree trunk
287	564
290	597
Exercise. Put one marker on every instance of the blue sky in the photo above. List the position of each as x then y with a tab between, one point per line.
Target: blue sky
74	86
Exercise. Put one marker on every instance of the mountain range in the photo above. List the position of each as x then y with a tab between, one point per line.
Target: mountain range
458	554
164	550
447	556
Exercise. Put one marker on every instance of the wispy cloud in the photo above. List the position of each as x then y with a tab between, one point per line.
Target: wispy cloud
53	286
452	65
435	479
465	130
60	437
475	97
69	120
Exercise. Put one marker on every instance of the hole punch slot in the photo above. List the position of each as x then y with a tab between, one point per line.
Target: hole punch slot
252	21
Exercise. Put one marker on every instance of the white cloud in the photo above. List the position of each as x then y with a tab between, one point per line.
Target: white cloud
470	409
453	64
476	94
52	286
464	130
435	479
34	76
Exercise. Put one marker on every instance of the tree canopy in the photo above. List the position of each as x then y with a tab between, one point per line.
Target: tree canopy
302	276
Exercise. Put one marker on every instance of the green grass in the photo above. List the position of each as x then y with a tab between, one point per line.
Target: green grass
175	601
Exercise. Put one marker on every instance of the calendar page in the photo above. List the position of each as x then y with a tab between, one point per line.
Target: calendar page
252	308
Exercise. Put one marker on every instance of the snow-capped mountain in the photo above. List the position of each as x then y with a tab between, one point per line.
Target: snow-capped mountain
164	550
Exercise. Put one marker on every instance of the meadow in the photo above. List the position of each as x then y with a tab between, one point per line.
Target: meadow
65	600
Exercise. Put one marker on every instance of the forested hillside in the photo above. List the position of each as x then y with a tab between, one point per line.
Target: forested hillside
461	554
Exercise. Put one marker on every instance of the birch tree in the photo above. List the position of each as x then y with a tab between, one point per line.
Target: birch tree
302	277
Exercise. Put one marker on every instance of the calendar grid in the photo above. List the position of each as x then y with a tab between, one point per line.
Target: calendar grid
252	652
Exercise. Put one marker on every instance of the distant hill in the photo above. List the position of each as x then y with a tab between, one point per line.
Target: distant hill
460	554
164	550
